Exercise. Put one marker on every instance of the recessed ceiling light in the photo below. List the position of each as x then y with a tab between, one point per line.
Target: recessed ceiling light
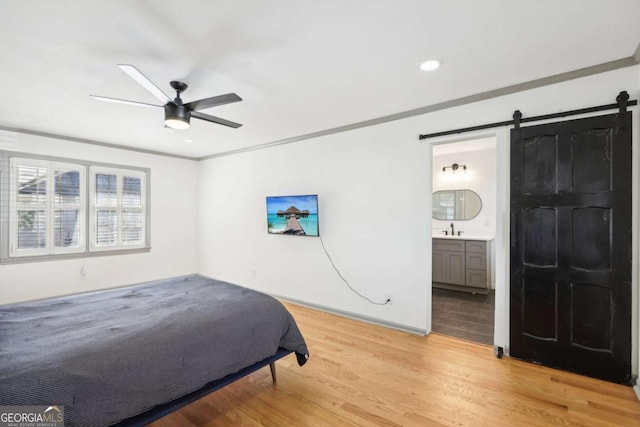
189	141
430	65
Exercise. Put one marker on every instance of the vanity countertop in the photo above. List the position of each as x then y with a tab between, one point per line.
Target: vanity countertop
465	236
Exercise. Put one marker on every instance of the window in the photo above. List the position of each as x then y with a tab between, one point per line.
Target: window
47	207
57	207
117	209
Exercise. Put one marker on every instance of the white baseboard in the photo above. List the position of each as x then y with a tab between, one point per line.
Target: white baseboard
355	316
636	388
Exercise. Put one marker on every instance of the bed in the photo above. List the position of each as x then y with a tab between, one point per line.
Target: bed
130	355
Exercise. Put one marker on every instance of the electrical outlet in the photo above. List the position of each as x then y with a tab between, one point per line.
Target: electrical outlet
83	272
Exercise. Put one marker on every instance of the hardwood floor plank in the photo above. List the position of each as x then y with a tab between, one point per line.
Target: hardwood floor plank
481	336
596	386
360	375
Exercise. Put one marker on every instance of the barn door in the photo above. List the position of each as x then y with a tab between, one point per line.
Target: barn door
571	246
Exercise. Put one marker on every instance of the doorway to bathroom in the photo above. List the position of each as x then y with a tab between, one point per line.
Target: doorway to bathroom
463	233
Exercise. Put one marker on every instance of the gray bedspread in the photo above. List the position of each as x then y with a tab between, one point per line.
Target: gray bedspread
109	355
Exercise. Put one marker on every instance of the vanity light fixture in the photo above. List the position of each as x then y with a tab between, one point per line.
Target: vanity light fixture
454	168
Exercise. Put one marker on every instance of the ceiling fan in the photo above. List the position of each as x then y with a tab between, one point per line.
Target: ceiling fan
177	115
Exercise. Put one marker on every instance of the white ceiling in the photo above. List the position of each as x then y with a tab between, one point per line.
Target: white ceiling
301	66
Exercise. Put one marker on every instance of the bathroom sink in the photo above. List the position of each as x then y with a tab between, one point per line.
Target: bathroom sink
464	236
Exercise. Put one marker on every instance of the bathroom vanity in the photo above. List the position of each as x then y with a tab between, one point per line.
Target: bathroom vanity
462	263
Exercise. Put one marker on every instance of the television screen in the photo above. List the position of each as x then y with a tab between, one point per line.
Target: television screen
293	215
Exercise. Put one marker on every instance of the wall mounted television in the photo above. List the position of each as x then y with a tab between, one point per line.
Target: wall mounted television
293	215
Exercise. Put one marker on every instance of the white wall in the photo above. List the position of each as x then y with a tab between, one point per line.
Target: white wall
173	227
372	206
480	177
375	201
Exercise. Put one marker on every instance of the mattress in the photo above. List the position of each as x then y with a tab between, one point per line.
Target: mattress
112	354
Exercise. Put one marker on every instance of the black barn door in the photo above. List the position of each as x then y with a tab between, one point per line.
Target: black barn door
571	246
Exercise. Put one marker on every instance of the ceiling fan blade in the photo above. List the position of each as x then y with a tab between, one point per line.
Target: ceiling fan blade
202	104
136	75
214	119
122	101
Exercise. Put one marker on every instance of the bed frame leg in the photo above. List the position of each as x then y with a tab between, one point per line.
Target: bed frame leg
272	366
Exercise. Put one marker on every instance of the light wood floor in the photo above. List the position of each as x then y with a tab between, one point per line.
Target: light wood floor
365	375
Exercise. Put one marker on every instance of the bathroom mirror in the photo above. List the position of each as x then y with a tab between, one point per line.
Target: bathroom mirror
458	205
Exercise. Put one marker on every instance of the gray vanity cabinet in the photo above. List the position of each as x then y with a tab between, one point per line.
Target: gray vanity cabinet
449	261
476	268
461	265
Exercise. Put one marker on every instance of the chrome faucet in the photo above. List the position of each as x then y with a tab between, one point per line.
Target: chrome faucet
452	231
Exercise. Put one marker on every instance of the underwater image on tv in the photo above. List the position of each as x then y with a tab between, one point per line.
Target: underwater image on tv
293	215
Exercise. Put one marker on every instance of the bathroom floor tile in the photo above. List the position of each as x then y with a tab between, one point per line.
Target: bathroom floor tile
463	315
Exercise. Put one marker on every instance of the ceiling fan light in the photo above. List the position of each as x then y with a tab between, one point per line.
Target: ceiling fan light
176	116
177	123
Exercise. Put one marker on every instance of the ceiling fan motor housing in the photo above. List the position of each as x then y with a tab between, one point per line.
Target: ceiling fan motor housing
177	116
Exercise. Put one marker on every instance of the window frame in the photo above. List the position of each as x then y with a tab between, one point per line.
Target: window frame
49	206
9	208
119	207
